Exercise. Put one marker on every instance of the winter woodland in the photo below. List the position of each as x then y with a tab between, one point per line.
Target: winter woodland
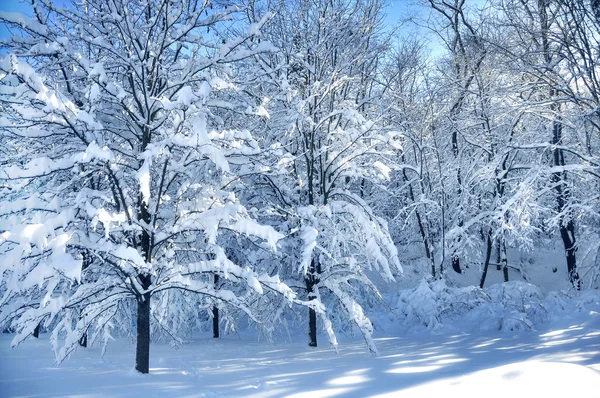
171	168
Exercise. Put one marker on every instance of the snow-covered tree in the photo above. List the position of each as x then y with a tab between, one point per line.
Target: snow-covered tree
553	57
501	143
326	142
114	167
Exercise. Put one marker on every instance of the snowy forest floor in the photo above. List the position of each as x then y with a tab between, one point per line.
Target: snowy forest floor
561	360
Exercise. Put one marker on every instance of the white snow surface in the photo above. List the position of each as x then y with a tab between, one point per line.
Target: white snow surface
560	360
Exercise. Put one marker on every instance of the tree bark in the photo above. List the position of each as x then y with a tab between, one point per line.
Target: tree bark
499	256
311	281
505	272
488	254
455	258
142	349
567	233
312	328
456	264
504	260
215	322
85	264
36	331
215	311
566	225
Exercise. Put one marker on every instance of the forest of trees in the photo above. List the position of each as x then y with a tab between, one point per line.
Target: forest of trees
172	166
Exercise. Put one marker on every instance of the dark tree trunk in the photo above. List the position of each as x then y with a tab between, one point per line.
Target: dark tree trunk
499	256
505	272
215	322
215	311
504	260
488	255
311	278
312	328
85	264
142	348
36	331
456	264
567	233
455	258
566	226
311	281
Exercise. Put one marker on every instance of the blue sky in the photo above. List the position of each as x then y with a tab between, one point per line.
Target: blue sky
12	6
396	11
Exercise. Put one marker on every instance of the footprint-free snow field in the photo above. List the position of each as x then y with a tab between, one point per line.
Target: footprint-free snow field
558	362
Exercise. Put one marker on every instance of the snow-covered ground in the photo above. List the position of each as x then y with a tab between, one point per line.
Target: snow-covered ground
560	361
430	343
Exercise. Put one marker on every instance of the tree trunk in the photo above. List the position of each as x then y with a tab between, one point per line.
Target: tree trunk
36	331
455	258
566	226
499	255
488	254
505	272
215	322
85	264
311	281
215	311
456	264
312	328
567	233
504	260
142	348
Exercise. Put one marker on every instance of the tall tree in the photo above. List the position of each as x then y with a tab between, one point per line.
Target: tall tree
327	141
111	112
462	39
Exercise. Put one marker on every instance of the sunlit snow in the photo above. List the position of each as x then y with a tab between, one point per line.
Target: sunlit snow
553	363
